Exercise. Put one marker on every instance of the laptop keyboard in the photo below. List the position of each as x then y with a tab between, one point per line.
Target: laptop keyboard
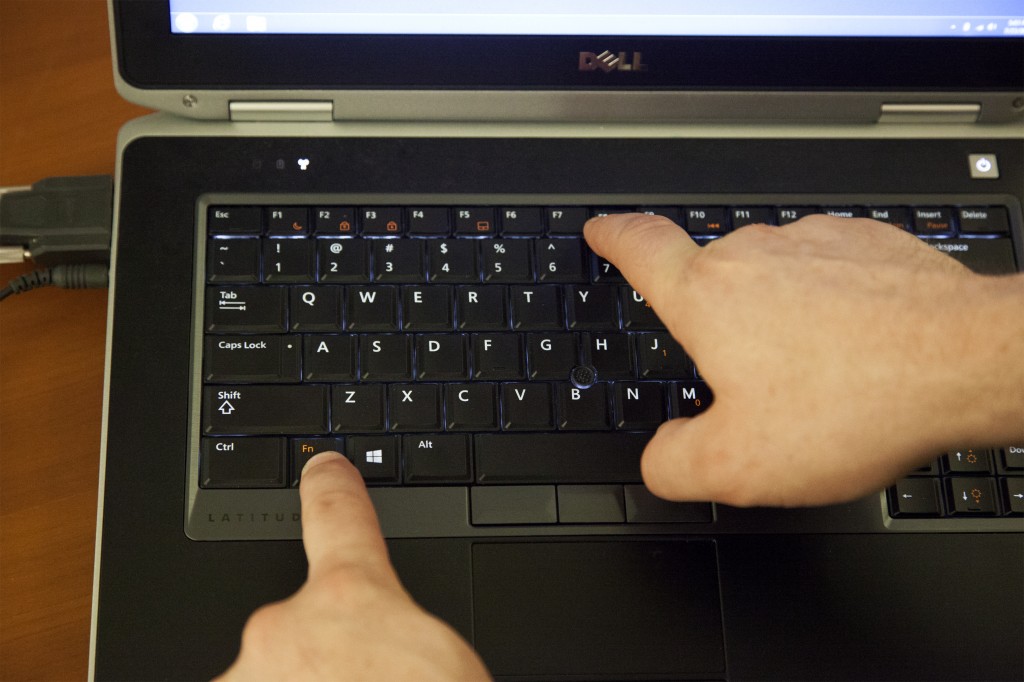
487	346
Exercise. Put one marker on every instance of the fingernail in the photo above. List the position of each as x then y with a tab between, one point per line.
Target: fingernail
319	458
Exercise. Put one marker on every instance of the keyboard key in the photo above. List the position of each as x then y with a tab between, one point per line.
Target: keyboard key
497	356
398	260
643	507
915	497
432	221
246	309
983	220
382	222
371	309
566	220
242	463
592	307
536	308
971	496
453	260
517	458
329	357
315	308
638	405
335	221
526	407
752	215
251	358
1013	495
659	356
376	457
531	504
583	409
689	398
414	407
606	272
343	260
482	308
441	357
560	260
437	458
427	308
967	461
704	221
507	260
232	260
385	357
471	407
844	211
288	221
984	256
551	356
591	504
521	220
637	313
260	410
303	449
288	260
475	222
791	214
247	220
358	408
610	354
1013	457
895	216
670	212
934	221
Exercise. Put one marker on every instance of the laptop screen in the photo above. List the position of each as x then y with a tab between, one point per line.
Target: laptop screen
835	18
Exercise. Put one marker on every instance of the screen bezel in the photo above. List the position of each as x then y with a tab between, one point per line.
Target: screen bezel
150	56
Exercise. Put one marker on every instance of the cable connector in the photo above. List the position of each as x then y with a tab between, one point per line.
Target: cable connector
74	276
58	220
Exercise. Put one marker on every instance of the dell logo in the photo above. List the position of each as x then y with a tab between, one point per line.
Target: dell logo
611	61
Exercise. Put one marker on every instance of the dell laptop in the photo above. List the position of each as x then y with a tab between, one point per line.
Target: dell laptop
358	225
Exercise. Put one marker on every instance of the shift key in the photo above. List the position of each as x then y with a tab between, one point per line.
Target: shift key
265	410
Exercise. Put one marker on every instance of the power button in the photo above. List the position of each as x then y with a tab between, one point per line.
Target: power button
983	166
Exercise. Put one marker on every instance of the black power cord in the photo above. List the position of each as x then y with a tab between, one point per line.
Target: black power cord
73	276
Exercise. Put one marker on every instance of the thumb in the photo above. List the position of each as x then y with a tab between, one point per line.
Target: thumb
684	461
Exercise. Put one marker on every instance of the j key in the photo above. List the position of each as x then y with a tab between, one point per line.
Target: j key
234	220
246	309
497	356
592	307
437	458
414	407
382	222
983	220
526	407
427	308
560	260
895	216
343	260
335	221
453	260
262	410
637	313
432	221
915	497
482	308
659	356
252	358
329	357
967	461
551	356
376	457
358	408
582	409
536	307
471	407
385	357
371	309
507	260
287	221
521	220
315	308
441	357
690	398
791	214
559	457
232	260
303	449
567	220
971	496
475	222
288	260
752	215
639	405
611	355
706	220
935	221
242	463
398	260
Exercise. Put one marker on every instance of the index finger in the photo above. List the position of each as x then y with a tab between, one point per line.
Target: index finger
645	248
339	523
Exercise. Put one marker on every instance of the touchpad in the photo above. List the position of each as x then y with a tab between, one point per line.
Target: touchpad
598	608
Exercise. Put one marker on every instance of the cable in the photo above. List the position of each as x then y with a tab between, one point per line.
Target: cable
74	276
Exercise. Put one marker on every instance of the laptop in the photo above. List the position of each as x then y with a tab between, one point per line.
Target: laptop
357	226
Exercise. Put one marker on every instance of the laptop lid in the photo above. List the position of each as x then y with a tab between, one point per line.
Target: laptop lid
567	60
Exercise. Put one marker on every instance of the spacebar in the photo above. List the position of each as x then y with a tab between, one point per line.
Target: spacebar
559	457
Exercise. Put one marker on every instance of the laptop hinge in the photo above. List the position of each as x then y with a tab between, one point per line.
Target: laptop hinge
929	113
282	111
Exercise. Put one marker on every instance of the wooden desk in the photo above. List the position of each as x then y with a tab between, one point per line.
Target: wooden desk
59	115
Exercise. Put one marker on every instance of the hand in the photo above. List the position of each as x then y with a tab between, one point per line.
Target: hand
352	620
841	353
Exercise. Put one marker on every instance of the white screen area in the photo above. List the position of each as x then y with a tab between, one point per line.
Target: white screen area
830	18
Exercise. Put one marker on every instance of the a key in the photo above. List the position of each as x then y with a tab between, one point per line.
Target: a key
521	220
246	309
706	220
437	458
610	355
242	462
414	407
507	260
582	409
358	408
526	407
376	457
536	308
915	497
482	308
637	313
343	260
371	309
791	214
385	357
260	410
233	220
497	356
591	307
471	407
560	260
251	358
288	260
232	260
690	398
382	221
659	356
303	449
936	221
427	308
335	221
639	405
514	458
315	308
398	260
329	357
429	221
551	356
441	357
752	215
566	220
475	222
287	221
453	260
971	496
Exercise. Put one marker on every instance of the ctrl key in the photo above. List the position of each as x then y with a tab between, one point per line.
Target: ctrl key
242	463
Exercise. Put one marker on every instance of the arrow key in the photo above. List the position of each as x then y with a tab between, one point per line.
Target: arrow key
971	496
915	497
1013	491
